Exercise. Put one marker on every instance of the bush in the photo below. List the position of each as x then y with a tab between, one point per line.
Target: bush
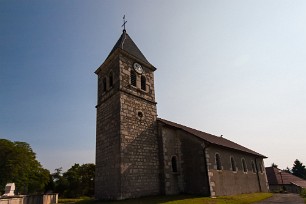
303	192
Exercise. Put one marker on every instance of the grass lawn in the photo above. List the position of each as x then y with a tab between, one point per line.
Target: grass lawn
181	199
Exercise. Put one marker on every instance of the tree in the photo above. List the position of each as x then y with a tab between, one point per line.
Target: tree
274	165
87	172
18	164
299	169
287	170
60	182
77	181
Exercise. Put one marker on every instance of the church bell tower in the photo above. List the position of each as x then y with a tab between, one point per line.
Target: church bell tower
127	162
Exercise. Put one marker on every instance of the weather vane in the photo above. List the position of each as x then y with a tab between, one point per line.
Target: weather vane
124	22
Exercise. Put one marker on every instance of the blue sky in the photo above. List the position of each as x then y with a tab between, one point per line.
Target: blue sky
233	68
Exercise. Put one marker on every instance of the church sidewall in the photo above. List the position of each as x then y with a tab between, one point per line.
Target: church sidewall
229	182
195	169
191	176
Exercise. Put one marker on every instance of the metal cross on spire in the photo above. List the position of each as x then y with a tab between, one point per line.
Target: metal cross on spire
124	22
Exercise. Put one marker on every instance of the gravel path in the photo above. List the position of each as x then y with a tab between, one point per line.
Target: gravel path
286	198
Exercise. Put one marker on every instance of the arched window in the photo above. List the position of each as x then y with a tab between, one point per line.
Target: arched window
253	167
244	167
111	79
233	164
174	164
133	78
104	84
218	162
143	83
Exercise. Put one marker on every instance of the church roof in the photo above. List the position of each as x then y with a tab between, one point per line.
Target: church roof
278	177
126	43
216	140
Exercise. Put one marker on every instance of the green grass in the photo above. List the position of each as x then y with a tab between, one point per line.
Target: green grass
68	200
182	199
74	200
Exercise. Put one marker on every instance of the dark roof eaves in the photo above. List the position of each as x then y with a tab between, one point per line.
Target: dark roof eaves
181	129
106	61
178	126
118	49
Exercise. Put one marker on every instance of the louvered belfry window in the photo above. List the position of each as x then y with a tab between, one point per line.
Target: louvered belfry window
133	78
143	83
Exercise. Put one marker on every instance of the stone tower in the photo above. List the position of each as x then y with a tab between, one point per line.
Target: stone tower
127	163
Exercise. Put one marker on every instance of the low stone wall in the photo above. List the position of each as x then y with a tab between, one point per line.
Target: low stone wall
34	199
10	200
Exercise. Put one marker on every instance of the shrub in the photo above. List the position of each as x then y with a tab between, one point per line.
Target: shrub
303	192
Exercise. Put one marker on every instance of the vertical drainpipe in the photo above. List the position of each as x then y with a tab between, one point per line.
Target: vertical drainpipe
257	173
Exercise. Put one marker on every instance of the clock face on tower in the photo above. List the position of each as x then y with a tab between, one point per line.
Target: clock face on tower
138	68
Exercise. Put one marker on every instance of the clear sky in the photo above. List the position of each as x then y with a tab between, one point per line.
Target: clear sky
233	68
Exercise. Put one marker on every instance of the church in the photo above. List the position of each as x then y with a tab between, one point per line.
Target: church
139	154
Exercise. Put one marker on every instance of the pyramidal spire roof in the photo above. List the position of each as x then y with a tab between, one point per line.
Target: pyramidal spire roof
126	43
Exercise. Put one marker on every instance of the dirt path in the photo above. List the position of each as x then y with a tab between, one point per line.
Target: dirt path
287	198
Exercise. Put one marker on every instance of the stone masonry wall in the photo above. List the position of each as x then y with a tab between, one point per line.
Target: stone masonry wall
174	181
107	182
30	199
138	145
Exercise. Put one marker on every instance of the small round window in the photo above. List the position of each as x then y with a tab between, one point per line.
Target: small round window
140	114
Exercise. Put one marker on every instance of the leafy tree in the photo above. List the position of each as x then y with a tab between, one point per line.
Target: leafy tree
77	181
274	165
60	183
50	186
18	164
73	177
287	170
299	169
87	172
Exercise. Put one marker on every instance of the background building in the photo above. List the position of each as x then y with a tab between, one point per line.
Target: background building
283	181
